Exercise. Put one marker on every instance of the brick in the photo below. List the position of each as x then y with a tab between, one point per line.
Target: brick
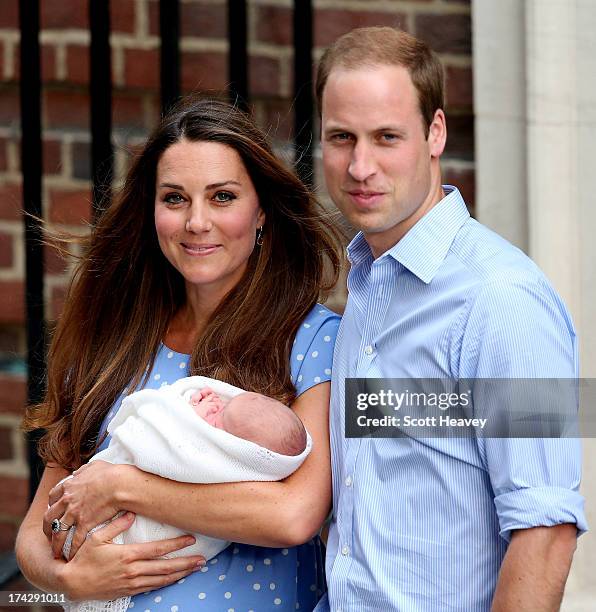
202	71
198	19
6	250
264	76
52	157
446	33
460	137
81	160
66	109
9	15
274	25
459	87
153	17
122	16
57	302
465	181
152	103
3	154
11	202
6	446
64	14
70	207
12	304
13	394
54	263
277	119
14	496
127	110
13	340
9	106
77	64
48	63
331	24
141	68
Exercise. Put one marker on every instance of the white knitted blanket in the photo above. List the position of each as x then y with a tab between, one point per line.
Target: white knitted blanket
157	431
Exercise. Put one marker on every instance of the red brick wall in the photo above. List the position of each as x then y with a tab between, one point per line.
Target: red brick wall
445	24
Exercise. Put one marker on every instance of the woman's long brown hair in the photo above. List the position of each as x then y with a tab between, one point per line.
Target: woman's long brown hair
124	292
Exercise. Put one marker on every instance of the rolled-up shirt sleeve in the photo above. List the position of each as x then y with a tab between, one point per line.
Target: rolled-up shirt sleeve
518	328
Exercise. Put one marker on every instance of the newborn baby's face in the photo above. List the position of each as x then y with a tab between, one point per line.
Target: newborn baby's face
209	406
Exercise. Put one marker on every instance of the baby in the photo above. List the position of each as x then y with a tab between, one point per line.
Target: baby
253	417
240	436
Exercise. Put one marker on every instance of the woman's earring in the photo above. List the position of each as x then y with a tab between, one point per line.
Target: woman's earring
260	236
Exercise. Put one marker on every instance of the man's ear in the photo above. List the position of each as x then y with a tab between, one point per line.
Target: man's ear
437	134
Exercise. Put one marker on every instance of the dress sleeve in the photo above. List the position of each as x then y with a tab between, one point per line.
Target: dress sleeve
521	330
312	353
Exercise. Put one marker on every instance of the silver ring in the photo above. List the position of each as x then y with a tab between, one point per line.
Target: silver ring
57	526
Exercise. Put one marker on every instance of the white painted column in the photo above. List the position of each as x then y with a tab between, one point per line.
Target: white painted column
500	117
535	106
554	231
581	593
586	195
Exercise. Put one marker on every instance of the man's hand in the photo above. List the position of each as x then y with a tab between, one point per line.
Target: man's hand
535	569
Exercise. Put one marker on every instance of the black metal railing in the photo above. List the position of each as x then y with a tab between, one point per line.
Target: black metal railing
303	98
31	168
169	31
238	54
101	128
100	85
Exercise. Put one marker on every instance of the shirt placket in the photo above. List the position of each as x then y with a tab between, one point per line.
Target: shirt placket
373	317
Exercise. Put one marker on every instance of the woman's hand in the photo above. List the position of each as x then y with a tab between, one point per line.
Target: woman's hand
102	570
85	500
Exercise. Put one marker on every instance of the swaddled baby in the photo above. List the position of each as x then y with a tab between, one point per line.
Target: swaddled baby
238	436
254	417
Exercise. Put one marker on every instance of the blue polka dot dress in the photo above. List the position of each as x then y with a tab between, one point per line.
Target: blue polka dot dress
243	577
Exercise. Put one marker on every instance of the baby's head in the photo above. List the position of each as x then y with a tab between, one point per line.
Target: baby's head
254	417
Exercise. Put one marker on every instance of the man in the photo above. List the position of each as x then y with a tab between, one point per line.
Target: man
430	525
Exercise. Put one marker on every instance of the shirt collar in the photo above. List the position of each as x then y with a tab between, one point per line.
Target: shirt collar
424	247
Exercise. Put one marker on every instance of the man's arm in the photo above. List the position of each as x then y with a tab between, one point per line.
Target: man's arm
535	569
519	329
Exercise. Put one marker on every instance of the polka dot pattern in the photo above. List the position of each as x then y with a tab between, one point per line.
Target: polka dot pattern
246	577
312	355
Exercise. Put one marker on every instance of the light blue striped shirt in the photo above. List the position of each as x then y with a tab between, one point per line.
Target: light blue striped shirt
422	525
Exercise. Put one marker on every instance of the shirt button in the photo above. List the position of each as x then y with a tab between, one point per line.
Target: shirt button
368	350
345	551
348	481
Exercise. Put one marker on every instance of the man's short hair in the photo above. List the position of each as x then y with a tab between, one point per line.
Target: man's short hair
385	46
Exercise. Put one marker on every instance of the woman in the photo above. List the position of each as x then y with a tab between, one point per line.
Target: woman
210	263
